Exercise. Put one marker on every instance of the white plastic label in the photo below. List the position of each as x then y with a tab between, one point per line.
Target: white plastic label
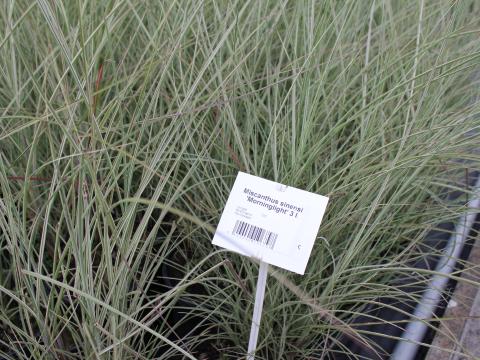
271	222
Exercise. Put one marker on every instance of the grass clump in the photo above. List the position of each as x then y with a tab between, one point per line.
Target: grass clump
113	113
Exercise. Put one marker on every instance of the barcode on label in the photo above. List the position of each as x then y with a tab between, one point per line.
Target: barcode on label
255	233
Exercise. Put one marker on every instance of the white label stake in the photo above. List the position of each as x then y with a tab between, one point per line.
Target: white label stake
257	309
272	222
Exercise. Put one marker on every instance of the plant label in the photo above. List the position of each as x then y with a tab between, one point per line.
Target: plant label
272	222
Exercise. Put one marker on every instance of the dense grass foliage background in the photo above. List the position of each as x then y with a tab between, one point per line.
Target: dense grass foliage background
123	124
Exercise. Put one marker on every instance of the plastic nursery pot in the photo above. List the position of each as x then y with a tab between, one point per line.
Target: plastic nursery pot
181	316
394	335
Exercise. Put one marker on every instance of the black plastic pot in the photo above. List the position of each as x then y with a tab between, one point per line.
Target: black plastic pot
392	310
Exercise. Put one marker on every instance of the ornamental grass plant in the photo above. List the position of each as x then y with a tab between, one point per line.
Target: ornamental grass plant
123	124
